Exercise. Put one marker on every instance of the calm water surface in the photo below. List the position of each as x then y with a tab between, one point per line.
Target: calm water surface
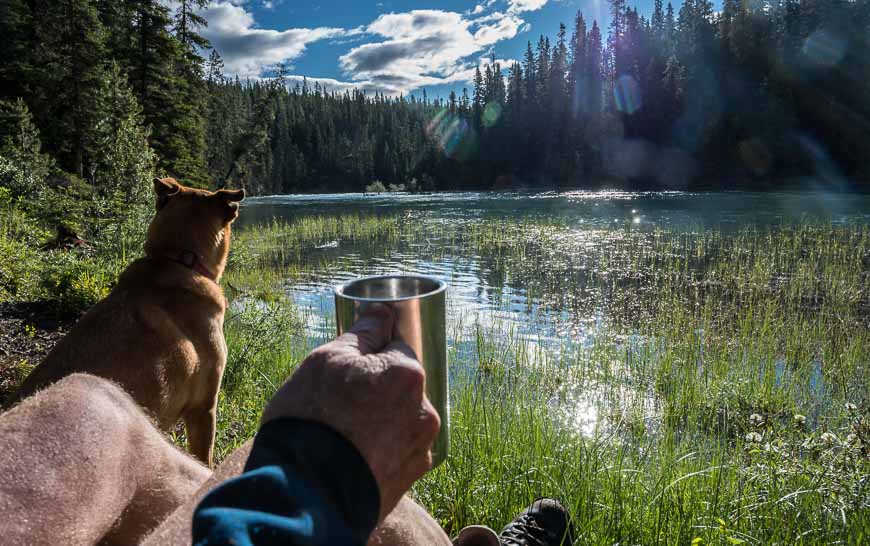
483	299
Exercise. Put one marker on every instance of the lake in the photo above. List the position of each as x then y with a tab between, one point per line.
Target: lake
573	276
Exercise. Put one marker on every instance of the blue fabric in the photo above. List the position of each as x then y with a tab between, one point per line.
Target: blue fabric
304	485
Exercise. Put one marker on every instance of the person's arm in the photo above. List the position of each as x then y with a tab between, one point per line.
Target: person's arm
341	442
304	484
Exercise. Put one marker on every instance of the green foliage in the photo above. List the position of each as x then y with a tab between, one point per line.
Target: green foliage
18	276
71	65
126	163
18	183
256	330
73	285
23	168
64	66
376	187
263	341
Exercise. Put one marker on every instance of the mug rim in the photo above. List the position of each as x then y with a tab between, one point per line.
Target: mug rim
440	286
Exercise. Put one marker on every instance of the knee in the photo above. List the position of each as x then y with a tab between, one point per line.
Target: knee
85	398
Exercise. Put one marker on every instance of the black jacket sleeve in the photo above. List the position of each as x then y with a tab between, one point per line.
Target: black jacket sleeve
304	484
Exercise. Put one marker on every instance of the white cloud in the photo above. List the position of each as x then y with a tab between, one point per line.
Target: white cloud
519	6
502	27
425	48
249	51
404	51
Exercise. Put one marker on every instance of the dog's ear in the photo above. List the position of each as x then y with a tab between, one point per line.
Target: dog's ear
231	198
165	188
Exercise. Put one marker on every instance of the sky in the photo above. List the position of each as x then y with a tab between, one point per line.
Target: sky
389	46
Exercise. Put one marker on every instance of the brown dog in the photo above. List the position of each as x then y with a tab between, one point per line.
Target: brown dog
80	463
159	334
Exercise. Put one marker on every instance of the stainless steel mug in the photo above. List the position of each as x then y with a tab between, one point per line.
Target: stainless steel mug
420	305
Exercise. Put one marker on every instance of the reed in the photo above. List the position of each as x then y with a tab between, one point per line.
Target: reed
721	399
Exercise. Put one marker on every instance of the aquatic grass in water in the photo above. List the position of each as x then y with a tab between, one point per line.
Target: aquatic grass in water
698	385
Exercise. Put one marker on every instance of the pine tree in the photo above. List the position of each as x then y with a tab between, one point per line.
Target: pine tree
578	80
499	93
529	68
187	22
558	72
17	49
617	24
20	142
670	31
214	70
452	103
515	93
594	67
542	70
479	99
125	164
157	74
657	24
465	104
70	68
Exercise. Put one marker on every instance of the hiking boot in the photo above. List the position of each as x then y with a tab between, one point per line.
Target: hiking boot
544	523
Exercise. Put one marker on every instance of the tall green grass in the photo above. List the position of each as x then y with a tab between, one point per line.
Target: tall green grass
728	380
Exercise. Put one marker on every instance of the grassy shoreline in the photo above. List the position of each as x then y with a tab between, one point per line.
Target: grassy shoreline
730	382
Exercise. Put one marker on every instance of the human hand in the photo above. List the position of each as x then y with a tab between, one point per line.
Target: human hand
372	392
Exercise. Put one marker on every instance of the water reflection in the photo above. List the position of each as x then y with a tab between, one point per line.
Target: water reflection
560	297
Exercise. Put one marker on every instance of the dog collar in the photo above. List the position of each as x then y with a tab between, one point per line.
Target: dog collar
191	261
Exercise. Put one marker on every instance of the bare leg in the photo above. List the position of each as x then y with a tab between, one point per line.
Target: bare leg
407	525
176	529
201	427
80	463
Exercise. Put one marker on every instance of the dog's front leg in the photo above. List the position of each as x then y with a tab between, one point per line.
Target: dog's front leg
201	425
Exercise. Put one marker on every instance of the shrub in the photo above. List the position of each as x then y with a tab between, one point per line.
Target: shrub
74	283
255	332
17	182
376	187
21	145
18	269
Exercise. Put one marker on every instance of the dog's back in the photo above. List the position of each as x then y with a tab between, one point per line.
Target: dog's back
159	334
152	335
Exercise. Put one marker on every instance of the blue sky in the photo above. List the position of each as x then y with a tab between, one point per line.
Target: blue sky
390	46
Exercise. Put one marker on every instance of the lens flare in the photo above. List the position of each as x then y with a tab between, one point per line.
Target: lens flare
824	49
626	95
491	114
450	131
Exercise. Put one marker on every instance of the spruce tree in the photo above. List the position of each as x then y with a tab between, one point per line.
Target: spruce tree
158	66
578	80
69	70
17	48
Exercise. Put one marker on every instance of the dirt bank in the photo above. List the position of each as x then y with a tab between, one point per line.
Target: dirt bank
28	331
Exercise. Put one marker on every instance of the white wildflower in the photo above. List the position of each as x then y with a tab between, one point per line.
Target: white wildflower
828	438
756	420
799	419
753	437
851	408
